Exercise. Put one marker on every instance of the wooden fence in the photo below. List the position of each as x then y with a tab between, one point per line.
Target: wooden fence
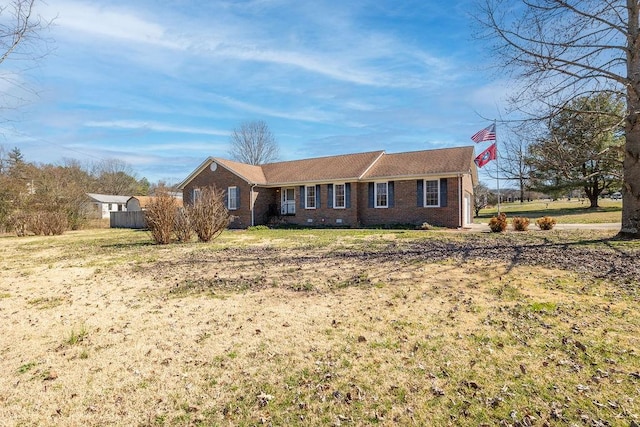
131	219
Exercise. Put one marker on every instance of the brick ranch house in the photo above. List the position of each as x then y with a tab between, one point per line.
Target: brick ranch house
352	190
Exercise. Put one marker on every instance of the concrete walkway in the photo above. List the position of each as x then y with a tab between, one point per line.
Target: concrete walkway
609	226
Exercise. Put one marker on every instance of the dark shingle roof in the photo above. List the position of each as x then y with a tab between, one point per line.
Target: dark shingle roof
251	173
420	163
352	167
343	167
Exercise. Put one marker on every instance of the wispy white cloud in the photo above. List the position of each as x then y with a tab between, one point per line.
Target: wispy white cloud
307	114
342	54
185	146
154	127
82	19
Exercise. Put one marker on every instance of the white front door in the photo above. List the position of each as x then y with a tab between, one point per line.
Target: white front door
288	201
466	211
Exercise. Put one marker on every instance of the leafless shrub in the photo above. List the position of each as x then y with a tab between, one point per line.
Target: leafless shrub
160	216
43	223
36	223
19	221
208	215
57	222
182	226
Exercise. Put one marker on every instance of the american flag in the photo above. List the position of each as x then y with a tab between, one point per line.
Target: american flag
486	134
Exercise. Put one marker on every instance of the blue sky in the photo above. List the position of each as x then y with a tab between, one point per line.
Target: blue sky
161	84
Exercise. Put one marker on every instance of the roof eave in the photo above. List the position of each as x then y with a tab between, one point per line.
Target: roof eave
310	182
415	176
195	172
206	164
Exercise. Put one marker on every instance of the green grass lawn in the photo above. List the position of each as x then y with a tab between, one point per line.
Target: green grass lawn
564	211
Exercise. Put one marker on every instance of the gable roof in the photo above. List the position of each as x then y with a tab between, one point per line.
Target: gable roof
342	167
351	167
107	198
251	173
421	163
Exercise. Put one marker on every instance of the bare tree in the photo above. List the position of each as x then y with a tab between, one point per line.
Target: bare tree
114	176
253	143
561	50
482	197
20	37
513	166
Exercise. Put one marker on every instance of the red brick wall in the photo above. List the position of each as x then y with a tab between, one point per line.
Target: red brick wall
221	178
406	210
323	215
264	197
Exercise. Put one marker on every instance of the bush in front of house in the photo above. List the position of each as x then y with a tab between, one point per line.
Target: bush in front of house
208	215
520	223
498	223
160	217
257	228
182	226
546	223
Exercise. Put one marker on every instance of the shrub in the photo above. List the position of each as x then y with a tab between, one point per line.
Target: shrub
546	223
182	226
43	223
19	221
520	223
498	223
208	215
257	228
160	216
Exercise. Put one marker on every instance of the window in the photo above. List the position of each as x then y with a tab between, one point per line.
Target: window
432	193
232	198
339	196
310	199
381	194
195	196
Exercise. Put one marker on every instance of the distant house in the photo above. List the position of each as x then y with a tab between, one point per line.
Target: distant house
353	190
103	204
140	203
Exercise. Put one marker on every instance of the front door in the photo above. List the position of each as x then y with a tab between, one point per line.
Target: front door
466	211
288	201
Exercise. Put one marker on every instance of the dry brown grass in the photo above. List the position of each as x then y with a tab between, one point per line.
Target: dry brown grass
306	328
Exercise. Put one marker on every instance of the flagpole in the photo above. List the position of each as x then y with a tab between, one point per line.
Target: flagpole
497	167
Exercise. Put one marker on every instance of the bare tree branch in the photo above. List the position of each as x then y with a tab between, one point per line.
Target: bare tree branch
562	50
20	39
253	143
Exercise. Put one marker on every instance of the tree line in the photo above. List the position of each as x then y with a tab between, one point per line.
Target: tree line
31	193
